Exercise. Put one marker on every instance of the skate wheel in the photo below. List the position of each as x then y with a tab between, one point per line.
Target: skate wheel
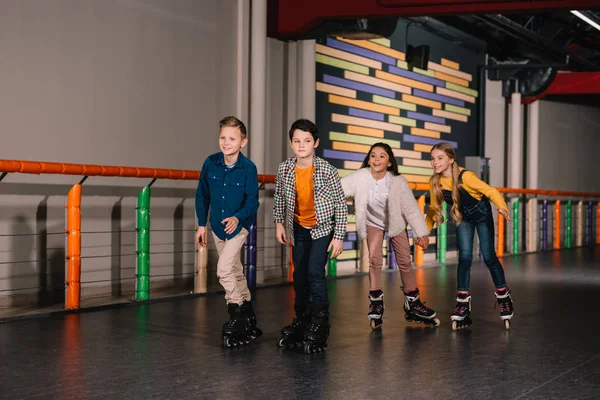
307	348
375	324
281	343
454	325
507	324
436	322
228	342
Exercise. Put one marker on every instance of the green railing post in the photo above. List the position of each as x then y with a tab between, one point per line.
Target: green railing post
331	265
516	225
142	290
569	225
442	236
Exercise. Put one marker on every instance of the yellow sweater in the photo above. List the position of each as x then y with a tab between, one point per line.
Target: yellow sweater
473	185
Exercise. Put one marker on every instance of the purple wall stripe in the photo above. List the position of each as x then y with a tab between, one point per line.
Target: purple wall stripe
343	155
355	112
334	80
425	140
350	48
426	117
351	236
415	76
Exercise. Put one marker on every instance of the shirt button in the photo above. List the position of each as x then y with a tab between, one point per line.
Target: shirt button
223	197
224	184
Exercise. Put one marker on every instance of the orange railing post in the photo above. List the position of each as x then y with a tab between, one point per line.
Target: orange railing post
419	252
291	270
500	247
557	225
73	283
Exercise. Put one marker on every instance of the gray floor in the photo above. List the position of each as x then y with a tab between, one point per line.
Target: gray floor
172	349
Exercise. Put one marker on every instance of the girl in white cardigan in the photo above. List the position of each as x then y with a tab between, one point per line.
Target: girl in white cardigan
383	202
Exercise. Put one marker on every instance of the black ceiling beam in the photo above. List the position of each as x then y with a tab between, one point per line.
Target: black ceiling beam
536	41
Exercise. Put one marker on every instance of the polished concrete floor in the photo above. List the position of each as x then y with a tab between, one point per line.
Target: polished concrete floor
171	350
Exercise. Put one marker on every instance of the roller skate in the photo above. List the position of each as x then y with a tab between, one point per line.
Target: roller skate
461	315
241	328
317	331
506	305
375	309
417	311
292	335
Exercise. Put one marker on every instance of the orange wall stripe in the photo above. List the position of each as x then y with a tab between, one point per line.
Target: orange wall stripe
450	115
450	64
456	95
375	47
360	130
420	101
369	80
450	78
425	132
437	127
346	119
342	55
404	81
425	148
440	68
365	105
327	88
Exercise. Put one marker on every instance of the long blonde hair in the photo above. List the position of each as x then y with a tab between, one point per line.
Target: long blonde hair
437	186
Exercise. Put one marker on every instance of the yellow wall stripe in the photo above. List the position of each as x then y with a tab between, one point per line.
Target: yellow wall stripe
353	58
352	165
458	110
394	103
382	41
402	121
461	89
418	179
335	62
344	137
415	170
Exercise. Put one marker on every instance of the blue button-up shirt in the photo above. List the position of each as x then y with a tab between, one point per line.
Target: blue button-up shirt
228	191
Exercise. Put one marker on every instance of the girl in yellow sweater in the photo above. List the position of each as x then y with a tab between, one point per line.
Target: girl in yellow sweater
469	198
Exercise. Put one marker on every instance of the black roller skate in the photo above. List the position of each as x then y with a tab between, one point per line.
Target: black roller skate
241	328
317	331
461	314
417	311
376	309
506	305
292	335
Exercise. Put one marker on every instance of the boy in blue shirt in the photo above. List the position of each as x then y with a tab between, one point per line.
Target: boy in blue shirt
228	185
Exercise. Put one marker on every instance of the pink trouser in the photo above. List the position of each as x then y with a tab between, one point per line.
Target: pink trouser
402	251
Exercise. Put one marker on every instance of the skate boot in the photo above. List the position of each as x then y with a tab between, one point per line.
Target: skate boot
376	309
317	331
417	311
506	305
241	328
292	335
462	312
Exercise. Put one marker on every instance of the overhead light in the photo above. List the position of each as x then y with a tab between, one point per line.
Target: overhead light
586	19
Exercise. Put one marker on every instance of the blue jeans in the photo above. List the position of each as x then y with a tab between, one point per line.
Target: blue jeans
310	258
485	230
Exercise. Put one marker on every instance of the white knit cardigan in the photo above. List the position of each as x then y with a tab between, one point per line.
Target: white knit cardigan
402	206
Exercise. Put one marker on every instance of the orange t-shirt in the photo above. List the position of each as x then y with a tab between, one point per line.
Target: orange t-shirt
304	210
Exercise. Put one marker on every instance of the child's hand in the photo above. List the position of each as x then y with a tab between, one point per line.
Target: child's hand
337	246
230	224
201	236
423	242
280	233
504	213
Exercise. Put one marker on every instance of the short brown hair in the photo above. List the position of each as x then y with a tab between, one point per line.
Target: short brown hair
234	123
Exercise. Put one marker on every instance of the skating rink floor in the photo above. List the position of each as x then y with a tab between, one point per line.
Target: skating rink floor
172	349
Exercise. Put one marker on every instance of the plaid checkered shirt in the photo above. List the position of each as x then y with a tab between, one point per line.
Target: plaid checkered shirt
330	204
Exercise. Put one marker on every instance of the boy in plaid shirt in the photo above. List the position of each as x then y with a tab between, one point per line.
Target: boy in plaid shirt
310	199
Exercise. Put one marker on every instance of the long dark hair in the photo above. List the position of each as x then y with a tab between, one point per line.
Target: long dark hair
392	168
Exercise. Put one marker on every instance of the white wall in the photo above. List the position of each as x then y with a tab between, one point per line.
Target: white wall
121	82
568	143
494	131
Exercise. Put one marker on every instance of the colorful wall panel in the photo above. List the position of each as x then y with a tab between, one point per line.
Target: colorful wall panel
366	93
